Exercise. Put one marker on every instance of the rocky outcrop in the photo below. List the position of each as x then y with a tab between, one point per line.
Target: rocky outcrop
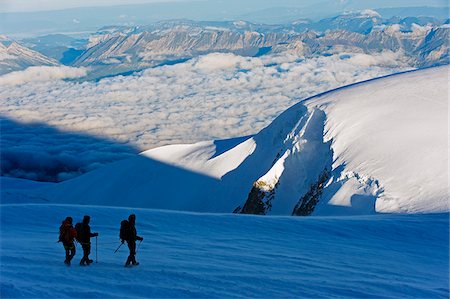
259	199
308	202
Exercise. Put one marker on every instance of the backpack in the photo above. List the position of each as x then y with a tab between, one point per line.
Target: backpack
124	230
79	227
62	233
66	233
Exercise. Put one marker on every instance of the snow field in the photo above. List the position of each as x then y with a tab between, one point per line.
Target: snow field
232	256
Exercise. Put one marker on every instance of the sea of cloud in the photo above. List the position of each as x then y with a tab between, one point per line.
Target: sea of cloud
41	74
209	97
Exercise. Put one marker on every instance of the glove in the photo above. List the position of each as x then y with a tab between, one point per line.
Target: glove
95	234
141	239
123	241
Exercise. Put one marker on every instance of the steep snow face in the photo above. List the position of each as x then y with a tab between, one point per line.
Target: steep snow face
299	163
389	138
377	146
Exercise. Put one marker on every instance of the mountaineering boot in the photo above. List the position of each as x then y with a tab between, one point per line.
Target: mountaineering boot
83	264
129	261
89	262
133	261
67	262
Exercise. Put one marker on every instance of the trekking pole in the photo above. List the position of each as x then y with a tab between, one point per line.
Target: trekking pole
118	247
96	250
138	246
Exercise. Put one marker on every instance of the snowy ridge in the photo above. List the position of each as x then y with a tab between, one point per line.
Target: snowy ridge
377	146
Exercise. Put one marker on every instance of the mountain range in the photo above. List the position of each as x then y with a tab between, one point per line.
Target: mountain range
119	50
116	50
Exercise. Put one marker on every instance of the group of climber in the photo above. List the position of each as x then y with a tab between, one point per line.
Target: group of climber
82	234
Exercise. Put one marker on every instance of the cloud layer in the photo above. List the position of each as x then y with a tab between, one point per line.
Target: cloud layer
39	152
41	74
209	97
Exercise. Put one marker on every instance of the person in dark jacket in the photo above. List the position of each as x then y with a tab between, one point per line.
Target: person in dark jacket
67	234
131	239
85	240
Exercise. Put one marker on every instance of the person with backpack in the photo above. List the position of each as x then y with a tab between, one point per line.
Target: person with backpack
67	234
128	233
84	236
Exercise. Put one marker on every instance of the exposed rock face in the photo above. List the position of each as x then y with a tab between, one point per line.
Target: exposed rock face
308	202
259	201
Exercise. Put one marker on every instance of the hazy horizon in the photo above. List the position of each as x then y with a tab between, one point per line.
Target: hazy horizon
9	6
24	18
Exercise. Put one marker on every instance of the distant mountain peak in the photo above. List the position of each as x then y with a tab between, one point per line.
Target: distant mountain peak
14	57
370	13
366	13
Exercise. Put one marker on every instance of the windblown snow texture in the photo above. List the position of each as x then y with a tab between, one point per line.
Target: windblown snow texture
204	256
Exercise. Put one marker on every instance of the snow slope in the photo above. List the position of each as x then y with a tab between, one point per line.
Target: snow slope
227	256
377	146
392	133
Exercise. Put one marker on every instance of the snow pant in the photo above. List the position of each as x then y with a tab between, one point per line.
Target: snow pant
132	256
70	252
86	252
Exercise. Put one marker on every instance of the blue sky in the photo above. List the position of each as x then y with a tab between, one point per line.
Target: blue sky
40	5
24	18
